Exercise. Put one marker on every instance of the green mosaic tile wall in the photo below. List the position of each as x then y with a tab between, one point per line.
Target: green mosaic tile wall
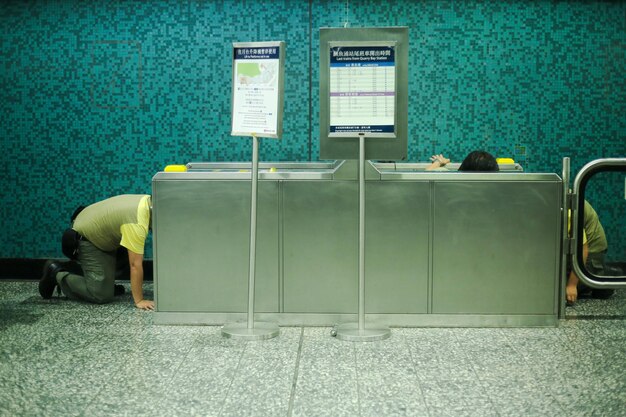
97	96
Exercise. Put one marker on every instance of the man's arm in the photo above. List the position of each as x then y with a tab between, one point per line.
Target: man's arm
136	281
437	162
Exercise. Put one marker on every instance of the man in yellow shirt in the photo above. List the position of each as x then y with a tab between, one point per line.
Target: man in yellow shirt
104	226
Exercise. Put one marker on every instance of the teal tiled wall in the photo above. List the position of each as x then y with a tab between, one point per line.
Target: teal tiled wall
98	96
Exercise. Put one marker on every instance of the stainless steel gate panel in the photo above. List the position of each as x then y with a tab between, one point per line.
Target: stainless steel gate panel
396	250
320	235
202	245
451	249
495	247
320	241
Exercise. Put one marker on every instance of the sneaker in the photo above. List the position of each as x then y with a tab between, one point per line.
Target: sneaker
48	281
118	290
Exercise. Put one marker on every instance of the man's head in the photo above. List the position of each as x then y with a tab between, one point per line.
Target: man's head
479	161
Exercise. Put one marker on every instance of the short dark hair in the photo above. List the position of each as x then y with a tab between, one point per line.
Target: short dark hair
479	161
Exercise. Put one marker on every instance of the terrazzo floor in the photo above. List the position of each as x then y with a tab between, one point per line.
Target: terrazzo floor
66	358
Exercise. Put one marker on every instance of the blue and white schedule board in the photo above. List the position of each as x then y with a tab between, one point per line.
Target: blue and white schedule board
362	89
257	98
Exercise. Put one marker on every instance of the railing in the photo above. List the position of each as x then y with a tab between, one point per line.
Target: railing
576	201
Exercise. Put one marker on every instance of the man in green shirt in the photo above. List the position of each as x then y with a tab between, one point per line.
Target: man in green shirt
597	246
104	226
594	249
596	241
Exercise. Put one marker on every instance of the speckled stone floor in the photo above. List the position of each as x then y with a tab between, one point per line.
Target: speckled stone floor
66	358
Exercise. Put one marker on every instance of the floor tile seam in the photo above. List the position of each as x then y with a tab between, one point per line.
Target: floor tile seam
571	347
232	381
93	340
174	370
414	367
521	352
555	336
356	372
117	317
294	383
482	386
547	395
87	406
548	398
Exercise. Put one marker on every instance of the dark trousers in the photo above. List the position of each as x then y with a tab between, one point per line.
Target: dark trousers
94	281
595	265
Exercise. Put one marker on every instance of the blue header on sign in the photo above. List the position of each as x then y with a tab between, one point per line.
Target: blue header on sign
362	55
265	52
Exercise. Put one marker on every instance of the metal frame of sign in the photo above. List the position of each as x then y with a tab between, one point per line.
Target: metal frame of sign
379	146
255	52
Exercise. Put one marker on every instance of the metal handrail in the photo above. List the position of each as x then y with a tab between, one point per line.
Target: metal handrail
583	176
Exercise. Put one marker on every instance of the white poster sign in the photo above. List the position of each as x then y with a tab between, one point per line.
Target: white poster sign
362	89
257	101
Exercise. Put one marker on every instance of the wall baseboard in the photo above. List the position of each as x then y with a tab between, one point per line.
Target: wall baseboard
31	268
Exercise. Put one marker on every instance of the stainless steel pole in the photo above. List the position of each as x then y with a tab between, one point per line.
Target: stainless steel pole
564	236
252	330
253	217
361	231
356	332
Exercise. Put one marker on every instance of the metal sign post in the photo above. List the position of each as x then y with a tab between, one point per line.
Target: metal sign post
357	332
363	78
257	108
252	330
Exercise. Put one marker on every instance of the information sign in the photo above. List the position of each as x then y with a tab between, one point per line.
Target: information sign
257	99
362	89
